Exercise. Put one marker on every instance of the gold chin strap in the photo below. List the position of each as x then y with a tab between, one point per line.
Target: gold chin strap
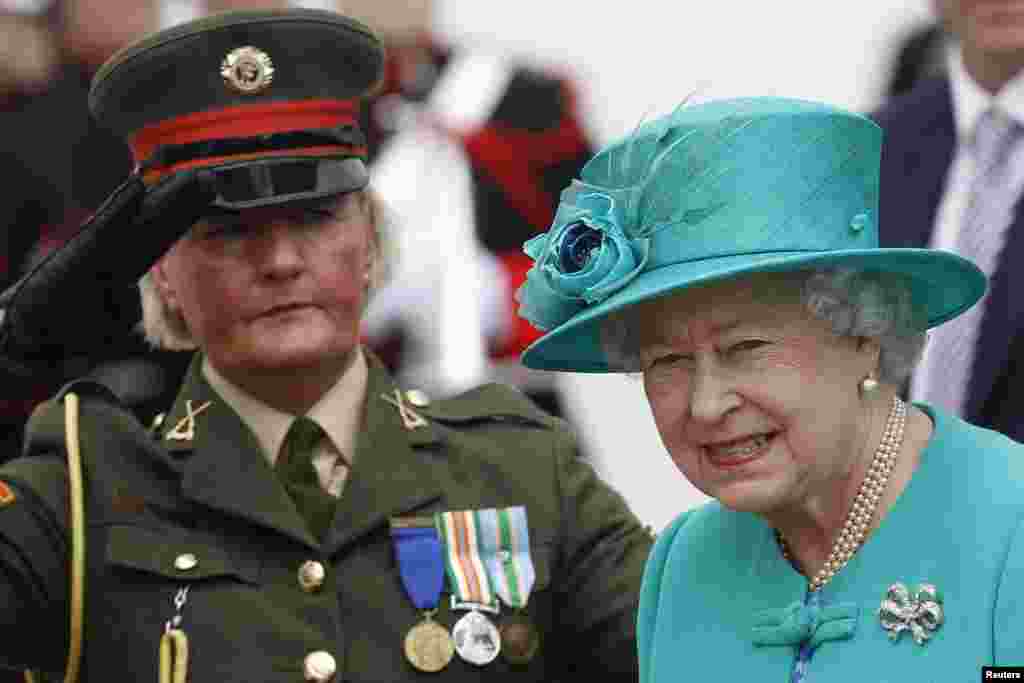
77	505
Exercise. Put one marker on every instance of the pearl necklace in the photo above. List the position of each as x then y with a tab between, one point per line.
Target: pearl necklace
858	520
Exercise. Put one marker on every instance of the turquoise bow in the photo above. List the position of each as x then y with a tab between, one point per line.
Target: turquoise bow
800	623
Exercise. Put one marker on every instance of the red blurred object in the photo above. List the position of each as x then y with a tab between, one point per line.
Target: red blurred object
515	264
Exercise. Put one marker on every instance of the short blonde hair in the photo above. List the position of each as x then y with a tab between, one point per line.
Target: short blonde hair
162	327
166	329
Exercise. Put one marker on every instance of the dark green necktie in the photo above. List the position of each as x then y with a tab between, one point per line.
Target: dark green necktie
295	467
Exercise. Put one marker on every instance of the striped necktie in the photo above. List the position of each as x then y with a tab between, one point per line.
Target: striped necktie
994	191
299	477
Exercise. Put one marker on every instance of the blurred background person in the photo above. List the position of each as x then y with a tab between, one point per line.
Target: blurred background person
59	163
29	60
55	119
952	176
921	54
470	150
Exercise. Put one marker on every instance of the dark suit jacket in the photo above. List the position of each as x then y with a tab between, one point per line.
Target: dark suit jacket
215	496
920	141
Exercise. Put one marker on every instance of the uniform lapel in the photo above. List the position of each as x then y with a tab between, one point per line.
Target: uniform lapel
223	466
389	477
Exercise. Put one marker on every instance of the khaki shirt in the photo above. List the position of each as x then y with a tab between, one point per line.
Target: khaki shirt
339	412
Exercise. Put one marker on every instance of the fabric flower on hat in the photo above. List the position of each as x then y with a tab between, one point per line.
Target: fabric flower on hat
583	259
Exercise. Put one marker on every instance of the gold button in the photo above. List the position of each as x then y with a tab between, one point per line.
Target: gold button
311	576
417	398
185	562
319	667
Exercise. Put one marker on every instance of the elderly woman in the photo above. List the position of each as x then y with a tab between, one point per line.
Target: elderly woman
729	253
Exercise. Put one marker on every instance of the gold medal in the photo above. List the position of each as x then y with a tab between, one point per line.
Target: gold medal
428	647
520	640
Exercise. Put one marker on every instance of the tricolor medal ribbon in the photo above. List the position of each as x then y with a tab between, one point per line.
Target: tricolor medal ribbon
505	547
428	647
476	639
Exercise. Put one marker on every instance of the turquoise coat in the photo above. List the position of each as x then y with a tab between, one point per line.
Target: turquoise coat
719	602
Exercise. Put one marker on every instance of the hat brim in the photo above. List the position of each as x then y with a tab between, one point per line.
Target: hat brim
275	181
942	283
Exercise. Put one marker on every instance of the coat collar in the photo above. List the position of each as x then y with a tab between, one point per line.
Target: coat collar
920	140
1000	325
223	467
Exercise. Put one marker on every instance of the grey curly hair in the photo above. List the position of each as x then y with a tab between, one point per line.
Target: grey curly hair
855	303
165	329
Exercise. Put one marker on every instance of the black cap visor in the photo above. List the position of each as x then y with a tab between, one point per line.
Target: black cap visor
268	182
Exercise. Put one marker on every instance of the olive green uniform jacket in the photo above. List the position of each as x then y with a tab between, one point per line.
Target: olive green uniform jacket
150	500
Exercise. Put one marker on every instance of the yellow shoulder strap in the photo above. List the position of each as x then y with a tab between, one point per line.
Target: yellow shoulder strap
77	505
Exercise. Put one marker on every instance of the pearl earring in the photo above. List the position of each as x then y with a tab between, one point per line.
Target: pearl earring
868	386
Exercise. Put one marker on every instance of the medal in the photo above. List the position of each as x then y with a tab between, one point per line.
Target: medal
477	640
520	640
428	647
505	547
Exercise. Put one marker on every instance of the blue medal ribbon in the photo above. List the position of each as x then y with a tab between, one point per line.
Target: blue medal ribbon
420	560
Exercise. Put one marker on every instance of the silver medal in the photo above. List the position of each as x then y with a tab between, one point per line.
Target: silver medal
476	639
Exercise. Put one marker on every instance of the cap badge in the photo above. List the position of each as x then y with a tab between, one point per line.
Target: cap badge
247	70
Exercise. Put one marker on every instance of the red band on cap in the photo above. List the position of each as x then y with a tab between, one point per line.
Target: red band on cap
245	120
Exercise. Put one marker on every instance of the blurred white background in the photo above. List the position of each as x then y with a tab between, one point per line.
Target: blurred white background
639	59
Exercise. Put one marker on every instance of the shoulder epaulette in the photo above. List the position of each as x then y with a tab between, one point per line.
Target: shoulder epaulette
490	402
89	387
45	429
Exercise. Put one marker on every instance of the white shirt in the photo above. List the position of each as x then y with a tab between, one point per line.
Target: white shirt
970	102
339	412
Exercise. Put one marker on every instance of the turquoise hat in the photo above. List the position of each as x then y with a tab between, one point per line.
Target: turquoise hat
712	192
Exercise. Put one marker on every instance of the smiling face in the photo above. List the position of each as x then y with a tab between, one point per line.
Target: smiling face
273	289
755	400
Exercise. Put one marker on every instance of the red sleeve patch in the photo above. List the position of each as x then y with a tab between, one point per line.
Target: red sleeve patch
6	494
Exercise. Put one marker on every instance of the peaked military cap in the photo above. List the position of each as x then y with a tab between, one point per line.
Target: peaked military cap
266	101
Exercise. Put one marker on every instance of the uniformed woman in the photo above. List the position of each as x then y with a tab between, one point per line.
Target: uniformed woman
295	515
